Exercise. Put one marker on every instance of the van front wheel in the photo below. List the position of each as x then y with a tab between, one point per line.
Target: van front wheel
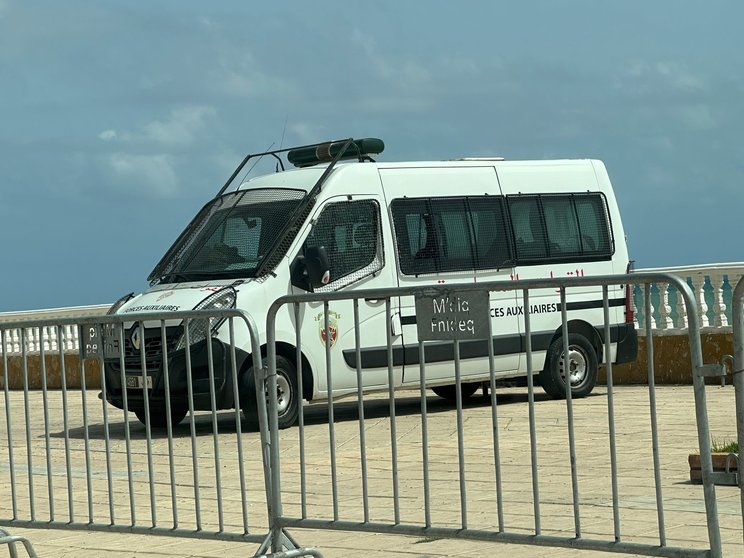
287	394
450	394
580	367
159	415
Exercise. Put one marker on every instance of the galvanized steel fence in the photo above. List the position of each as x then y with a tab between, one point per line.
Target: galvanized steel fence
738	375
74	462
451	480
404	468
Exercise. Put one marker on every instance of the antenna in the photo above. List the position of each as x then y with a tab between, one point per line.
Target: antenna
281	143
284	129
255	163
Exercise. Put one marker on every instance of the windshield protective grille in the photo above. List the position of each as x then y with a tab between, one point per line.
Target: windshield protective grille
230	236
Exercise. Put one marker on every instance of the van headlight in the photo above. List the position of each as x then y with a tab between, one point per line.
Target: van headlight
119	303
201	328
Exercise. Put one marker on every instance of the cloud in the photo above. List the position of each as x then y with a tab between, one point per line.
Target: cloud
151	175
698	117
642	78
178	129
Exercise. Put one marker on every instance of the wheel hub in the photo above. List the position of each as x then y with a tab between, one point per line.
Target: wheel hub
283	394
577	366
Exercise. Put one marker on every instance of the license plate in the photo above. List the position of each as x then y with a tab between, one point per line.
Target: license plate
136	382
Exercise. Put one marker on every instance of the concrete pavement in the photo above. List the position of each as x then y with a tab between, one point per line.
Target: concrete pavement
684	511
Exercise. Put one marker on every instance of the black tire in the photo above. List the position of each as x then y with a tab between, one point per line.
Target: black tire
449	392
583	366
289	399
158	415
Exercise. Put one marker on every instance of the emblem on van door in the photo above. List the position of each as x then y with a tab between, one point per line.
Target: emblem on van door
164	295
332	333
136	337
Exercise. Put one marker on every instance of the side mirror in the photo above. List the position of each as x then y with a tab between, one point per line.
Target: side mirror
317	266
311	270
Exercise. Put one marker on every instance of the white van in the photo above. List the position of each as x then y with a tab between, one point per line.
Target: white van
330	225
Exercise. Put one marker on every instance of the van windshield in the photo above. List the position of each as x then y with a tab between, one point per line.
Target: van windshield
230	237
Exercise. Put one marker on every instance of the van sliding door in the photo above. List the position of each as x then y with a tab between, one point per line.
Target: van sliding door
449	231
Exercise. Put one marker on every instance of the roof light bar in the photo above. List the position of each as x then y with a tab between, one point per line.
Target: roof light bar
360	149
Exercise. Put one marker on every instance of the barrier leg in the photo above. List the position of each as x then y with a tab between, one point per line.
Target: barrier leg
11	540
295	553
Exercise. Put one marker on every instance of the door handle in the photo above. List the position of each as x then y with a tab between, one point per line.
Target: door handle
395	326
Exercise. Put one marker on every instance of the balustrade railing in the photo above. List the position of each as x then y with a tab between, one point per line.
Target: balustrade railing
55	339
712	284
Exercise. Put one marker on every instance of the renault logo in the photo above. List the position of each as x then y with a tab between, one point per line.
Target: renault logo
136	337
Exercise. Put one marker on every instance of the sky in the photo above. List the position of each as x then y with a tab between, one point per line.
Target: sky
120	119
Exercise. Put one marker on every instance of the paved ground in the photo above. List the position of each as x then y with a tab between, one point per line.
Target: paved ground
93	496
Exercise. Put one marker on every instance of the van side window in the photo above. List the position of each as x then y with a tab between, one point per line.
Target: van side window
557	228
350	233
450	234
594	225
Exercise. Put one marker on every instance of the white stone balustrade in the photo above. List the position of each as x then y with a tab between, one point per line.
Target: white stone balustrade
53	337
711	284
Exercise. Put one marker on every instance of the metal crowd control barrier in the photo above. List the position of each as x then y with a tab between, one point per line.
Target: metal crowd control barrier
454	480
737	300
11	541
74	462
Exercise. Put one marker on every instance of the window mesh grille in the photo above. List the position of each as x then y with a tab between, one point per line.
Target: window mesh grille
350	233
484	232
450	234
556	228
233	233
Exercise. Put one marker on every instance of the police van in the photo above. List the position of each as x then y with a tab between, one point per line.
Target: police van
340	221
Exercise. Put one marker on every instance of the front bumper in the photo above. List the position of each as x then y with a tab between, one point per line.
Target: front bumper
180	374
627	344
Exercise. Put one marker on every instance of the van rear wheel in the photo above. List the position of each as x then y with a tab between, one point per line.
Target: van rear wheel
287	394
581	367
450	394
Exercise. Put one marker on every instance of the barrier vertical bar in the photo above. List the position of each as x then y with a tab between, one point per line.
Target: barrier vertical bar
148	423
495	427
737	301
652	405
127	433
169	424
106	432
569	413
701	416
9	423
424	434
331	420
66	422
215	432
270	434
360	409
460	440
301	415
611	412
86	436
192	424
27	411
531	411
238	433
391	397
45	403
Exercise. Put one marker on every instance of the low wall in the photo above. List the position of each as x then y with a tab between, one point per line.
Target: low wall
671	364
53	372
672	359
